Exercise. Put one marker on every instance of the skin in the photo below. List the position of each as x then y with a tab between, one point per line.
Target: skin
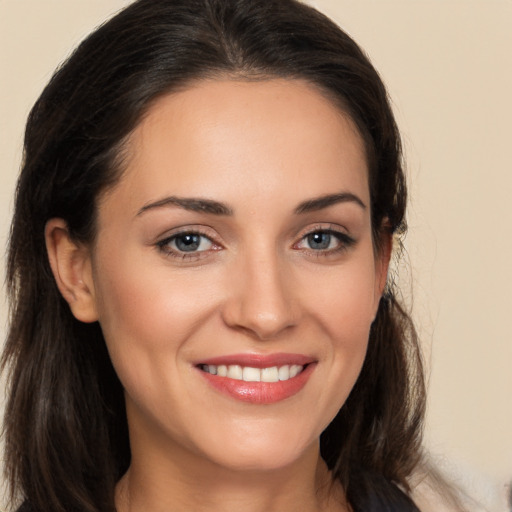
256	285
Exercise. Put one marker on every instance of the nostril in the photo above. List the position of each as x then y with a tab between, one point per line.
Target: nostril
260	302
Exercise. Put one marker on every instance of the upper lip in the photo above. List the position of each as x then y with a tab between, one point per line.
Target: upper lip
258	360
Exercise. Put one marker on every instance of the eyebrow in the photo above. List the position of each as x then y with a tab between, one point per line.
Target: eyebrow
191	204
319	203
217	208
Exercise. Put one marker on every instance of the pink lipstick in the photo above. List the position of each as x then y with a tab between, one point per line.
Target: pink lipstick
258	379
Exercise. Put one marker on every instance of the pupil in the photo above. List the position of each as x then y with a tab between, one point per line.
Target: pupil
319	240
188	243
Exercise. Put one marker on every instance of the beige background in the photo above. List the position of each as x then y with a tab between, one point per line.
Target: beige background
448	67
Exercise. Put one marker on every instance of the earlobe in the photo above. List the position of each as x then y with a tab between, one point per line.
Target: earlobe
71	266
385	257
382	260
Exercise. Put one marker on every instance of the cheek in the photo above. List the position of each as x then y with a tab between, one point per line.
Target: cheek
344	307
345	301
147	314
146	303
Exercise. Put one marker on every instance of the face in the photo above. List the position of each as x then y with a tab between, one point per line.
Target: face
234	273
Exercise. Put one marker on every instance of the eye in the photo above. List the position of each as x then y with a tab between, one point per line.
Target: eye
185	244
325	241
191	242
321	240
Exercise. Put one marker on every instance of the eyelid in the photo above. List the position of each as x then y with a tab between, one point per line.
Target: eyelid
163	242
326	228
345	239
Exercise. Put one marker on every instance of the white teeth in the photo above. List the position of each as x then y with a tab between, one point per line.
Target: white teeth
270	374
295	369
222	370
250	374
235	372
284	372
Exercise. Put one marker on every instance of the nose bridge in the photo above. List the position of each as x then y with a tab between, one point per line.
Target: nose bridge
261	301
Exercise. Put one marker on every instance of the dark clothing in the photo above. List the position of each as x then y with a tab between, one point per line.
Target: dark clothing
376	494
25	508
393	501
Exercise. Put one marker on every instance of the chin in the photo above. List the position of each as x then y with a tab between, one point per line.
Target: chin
259	461
263	450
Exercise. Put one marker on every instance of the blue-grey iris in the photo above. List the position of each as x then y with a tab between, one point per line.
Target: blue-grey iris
319	240
188	242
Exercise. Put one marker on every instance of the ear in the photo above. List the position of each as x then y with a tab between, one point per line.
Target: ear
382	259
70	262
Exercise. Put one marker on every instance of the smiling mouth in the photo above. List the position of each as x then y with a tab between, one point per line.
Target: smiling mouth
258	378
251	374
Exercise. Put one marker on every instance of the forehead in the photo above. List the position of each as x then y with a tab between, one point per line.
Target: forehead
227	137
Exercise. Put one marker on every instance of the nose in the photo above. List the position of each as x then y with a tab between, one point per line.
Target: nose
261	300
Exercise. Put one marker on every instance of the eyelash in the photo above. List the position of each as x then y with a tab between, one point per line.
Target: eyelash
164	245
344	243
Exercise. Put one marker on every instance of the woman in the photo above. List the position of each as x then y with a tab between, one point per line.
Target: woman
198	264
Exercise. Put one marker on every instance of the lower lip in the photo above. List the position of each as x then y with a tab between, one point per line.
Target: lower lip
260	392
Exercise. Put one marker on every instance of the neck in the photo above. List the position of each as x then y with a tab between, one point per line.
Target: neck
158	481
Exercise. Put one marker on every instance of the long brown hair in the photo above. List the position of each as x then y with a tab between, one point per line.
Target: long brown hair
65	426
